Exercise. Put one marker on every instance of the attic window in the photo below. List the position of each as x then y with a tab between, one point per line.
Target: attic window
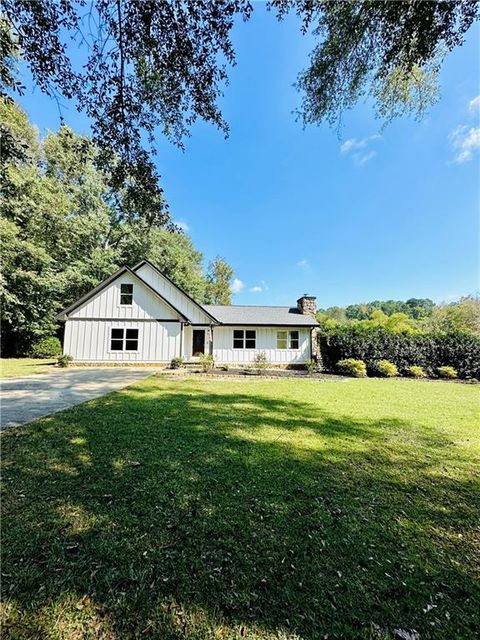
126	293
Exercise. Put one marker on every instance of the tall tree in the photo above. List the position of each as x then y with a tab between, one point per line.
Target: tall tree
219	278
64	229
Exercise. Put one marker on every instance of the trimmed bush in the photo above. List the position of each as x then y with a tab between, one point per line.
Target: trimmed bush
386	369
47	348
428	351
447	372
176	363
352	367
416	372
65	360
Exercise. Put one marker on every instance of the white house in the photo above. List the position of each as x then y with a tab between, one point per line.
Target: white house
139	315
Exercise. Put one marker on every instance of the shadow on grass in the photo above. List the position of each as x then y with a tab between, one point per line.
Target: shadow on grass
187	514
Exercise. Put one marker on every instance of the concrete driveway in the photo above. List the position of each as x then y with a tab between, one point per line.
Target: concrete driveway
26	399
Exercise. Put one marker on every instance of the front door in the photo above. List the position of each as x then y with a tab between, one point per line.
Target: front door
198	345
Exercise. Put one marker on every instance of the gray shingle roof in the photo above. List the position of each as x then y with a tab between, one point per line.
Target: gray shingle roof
240	314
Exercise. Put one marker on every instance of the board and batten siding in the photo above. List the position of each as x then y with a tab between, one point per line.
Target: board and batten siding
89	340
106	304
171	293
266	341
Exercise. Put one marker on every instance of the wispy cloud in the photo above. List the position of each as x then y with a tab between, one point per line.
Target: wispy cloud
303	264
256	289
474	104
465	141
182	225
237	285
359	149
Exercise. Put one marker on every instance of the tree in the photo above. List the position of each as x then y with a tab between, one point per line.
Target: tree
147	65
219	277
64	229
162	65
390	50
462	316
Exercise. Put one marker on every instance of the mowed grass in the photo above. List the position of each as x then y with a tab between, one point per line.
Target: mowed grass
20	367
286	509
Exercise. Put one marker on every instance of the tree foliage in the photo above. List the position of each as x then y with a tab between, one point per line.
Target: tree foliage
146	65
389	50
219	278
156	65
64	228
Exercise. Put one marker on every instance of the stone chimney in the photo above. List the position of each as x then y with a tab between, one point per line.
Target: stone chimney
307	305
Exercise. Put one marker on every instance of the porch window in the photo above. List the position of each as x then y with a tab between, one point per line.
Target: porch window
126	294
124	340
288	340
244	339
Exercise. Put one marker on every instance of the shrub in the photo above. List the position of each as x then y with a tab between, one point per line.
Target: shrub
428	351
47	348
206	360
260	362
416	372
447	372
352	367
386	368
311	367
176	363
65	360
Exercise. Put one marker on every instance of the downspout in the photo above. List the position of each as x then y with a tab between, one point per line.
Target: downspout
181	339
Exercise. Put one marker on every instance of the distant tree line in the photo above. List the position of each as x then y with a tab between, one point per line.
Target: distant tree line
65	227
416	315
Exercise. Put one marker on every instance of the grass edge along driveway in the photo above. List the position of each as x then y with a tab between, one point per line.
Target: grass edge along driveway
292	509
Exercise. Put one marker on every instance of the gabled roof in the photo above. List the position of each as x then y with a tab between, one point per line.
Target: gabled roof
253	315
153	266
64	313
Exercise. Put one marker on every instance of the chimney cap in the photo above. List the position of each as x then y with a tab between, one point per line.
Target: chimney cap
306	295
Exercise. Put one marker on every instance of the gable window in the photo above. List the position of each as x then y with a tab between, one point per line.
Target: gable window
244	339
288	340
124	340
126	293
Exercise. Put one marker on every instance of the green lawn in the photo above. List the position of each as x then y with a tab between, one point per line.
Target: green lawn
20	367
275	509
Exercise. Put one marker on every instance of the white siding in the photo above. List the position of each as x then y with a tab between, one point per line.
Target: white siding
89	340
170	292
223	351
106	304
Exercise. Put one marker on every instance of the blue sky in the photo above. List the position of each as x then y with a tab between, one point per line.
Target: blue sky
368	215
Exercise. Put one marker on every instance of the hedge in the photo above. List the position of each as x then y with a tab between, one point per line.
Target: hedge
459	350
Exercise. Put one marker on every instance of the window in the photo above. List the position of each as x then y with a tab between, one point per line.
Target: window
288	340
126	293
244	338
124	340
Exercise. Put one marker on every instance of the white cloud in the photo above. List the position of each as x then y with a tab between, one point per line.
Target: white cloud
237	285
474	104
303	264
466	141
357	149
362	158
182	225
256	289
